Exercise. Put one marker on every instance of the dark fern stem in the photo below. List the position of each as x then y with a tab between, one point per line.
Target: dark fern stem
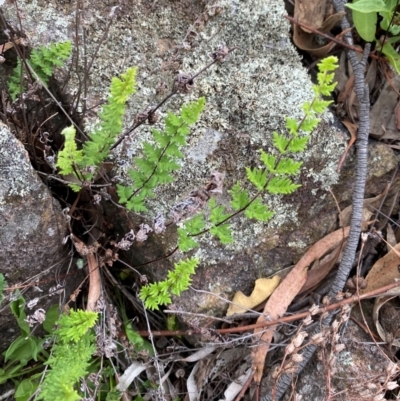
361	89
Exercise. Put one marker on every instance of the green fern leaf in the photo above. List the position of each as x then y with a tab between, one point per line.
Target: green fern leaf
70	156
163	177
185	243
257	210
281	185
223	232
43	61
291	125
298	144
319	105
326	89
217	214
269	161
123	193
195	225
75	326
69	362
288	166
172	150
157	294
191	112
257	177
280	142
173	120
151	152
160	138
97	148
136	203
328	64
309	124
240	197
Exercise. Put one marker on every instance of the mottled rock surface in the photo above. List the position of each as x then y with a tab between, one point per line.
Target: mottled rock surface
32	228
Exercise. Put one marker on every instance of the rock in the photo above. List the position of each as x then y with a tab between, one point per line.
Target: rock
32	228
248	98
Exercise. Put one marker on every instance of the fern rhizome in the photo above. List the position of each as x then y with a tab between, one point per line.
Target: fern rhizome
199	213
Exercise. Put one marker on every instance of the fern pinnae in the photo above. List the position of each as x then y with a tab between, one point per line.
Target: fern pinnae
159	160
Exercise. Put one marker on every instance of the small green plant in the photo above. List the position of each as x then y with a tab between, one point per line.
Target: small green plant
156	294
71	355
365	17
43	61
81	165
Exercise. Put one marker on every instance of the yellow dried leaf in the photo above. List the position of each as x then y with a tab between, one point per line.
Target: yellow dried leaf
263	288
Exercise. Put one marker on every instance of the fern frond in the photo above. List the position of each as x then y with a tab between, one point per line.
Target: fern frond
257	177
157	294
70	359
68	364
292	126
97	148
217	214
240	197
76	324
257	210
185	243
298	144
70	157
309	124
280	142
281	185
43	61
161	158
269	161
288	166
223	233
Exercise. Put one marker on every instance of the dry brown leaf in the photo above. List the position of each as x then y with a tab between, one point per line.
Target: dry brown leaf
369	207
315	276
306	41
384	272
379	302
310	12
382	114
9	45
352	128
263	288
283	296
